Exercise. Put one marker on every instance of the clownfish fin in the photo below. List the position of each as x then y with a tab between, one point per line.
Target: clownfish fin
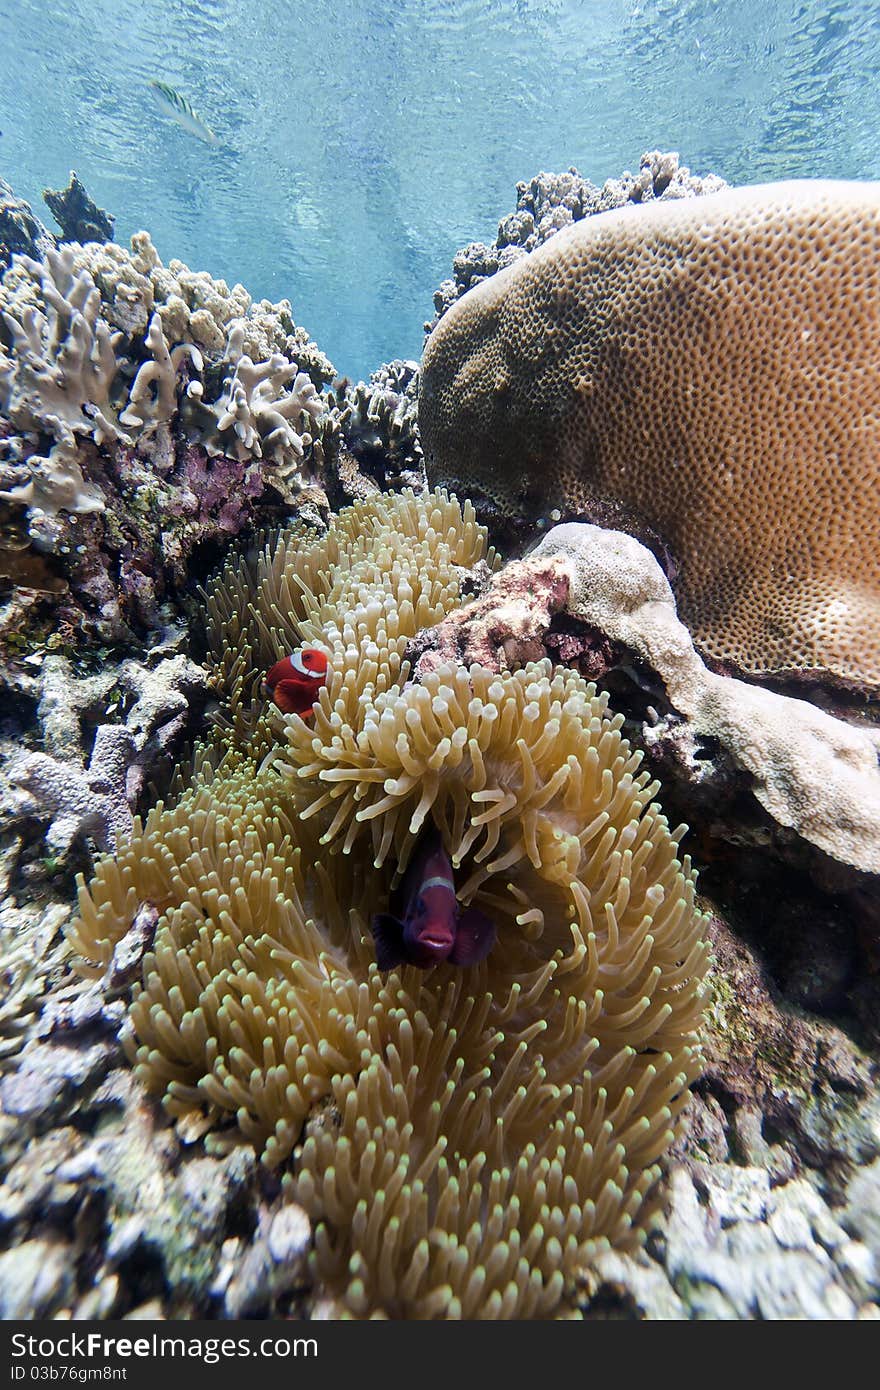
388	940
474	937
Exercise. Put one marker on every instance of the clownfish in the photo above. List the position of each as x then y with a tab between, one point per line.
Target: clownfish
425	924
295	680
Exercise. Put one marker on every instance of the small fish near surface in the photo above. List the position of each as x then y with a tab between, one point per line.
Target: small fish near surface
426	924
295	680
179	109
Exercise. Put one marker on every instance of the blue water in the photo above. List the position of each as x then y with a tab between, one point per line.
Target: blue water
361	144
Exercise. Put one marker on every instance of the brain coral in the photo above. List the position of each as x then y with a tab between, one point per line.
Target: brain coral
464	1141
703	372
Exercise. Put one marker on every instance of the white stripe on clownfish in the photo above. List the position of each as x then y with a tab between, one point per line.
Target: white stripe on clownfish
438	883
299	665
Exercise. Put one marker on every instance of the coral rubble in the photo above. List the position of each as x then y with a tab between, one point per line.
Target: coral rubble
627	371
463	1140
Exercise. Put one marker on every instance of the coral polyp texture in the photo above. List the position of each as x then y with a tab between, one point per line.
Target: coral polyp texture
465	1141
701	373
549	202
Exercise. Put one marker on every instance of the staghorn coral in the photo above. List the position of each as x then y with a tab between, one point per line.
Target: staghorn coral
464	1141
629	370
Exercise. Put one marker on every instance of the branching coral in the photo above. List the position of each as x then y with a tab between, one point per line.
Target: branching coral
82	792
379	424
56	484
153	414
64	356
192	305
257	416
464	1140
153	396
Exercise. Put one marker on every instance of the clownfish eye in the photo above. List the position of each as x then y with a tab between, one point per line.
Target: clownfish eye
420	907
308	661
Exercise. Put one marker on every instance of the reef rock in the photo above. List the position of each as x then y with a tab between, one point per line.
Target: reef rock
21	233
814	773
78	215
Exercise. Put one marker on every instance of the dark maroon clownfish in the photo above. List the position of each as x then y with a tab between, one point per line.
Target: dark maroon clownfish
425	924
294	681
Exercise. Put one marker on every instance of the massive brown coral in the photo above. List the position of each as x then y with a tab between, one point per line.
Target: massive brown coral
704	373
465	1141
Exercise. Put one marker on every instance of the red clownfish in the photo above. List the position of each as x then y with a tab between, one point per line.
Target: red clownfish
425	924
294	681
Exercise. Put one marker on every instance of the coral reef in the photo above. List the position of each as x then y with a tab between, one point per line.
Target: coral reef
468	1140
335	1140
121	1217
379	426
103	738
812	772
632	350
770	1209
123	455
78	216
549	202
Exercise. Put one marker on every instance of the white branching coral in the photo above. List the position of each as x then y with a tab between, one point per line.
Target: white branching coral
64	355
153	398
56	484
257	415
117	358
